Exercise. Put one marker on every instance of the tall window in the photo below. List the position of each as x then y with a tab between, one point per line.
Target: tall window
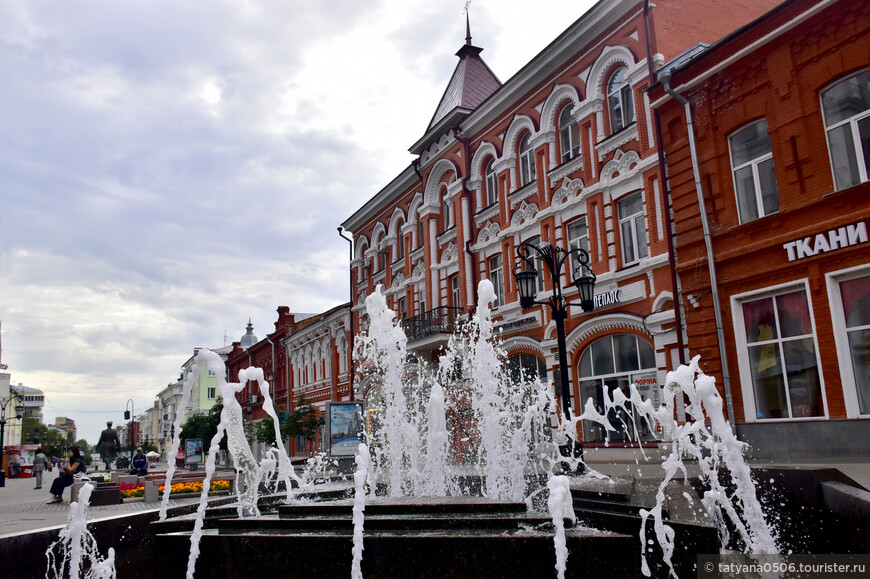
620	103
496	276
400	240
782	356
539	263
403	308
491	183
578	238
632	229
569	134
455	295
846	107
527	160
611	363
855	294
754	175
211	393
421	232
447	212
421	296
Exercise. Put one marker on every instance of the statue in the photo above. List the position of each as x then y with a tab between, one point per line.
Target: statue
109	445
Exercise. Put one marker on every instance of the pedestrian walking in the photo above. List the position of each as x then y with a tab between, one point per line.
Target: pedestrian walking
40	462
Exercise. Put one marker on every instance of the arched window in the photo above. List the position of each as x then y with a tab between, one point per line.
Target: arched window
447	211
569	134
614	362
524	368
400	240
527	160
619	101
421	232
491	183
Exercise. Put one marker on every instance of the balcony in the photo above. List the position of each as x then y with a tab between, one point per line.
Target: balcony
433	326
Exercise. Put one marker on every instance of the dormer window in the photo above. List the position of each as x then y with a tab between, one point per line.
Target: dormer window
619	101
527	160
491	183
569	134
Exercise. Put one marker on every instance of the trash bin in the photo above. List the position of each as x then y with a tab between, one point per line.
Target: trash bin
26	471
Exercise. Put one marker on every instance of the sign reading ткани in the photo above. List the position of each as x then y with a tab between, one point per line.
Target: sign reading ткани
825	242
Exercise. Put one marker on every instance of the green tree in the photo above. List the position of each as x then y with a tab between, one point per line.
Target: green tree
205	426
303	421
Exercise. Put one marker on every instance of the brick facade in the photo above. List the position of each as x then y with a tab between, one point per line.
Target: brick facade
775	71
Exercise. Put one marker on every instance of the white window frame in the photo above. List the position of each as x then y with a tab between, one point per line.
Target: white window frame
852	121
569	134
527	160
496	276
641	251
400	240
841	338
750	411
455	293
580	242
756	179
538	261
211	393
624	100
491	183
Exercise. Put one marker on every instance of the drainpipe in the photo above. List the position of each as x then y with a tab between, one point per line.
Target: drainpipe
666	202
273	363
350	341
665	79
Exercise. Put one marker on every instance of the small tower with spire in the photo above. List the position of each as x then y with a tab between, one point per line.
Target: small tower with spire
249	339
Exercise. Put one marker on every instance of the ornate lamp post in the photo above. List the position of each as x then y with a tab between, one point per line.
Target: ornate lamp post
19	412
555	259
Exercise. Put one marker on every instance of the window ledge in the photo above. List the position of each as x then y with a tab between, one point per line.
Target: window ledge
622	136
487	213
522	193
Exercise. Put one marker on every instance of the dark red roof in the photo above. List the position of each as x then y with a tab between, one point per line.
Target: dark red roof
472	82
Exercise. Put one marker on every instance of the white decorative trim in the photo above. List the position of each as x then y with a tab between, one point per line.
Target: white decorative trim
449	255
559	94
525	213
603	323
488	234
433	183
515	343
566	192
624	136
619	166
520	124
485	150
398	281
419	272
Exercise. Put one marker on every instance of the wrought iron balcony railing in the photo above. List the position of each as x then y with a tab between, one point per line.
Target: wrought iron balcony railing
443	320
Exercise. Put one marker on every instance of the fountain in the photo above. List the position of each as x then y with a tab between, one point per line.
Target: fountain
491	498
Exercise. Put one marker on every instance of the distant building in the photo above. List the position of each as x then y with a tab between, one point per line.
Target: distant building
34	400
67	426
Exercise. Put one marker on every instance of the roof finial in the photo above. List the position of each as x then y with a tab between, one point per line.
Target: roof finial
467	24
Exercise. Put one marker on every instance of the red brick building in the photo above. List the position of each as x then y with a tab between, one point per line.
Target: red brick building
780	119
306	355
562	153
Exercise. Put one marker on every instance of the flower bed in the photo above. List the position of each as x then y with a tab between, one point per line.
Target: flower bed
129	491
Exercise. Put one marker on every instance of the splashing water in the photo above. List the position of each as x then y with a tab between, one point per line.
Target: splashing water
75	554
716	449
561	507
497	425
360	478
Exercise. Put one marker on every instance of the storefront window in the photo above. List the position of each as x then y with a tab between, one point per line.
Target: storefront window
856	311
525	368
614	362
782	356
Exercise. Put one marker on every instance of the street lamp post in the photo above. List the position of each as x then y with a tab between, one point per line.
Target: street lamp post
19	412
555	259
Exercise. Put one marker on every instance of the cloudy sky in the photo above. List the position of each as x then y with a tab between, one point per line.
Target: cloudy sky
170	169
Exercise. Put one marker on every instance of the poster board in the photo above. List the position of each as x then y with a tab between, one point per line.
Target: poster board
345	427
193	451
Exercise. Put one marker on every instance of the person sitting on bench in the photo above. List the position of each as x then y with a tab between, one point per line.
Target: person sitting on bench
75	463
140	463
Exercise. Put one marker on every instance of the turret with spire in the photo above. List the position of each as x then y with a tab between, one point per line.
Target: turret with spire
249	339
